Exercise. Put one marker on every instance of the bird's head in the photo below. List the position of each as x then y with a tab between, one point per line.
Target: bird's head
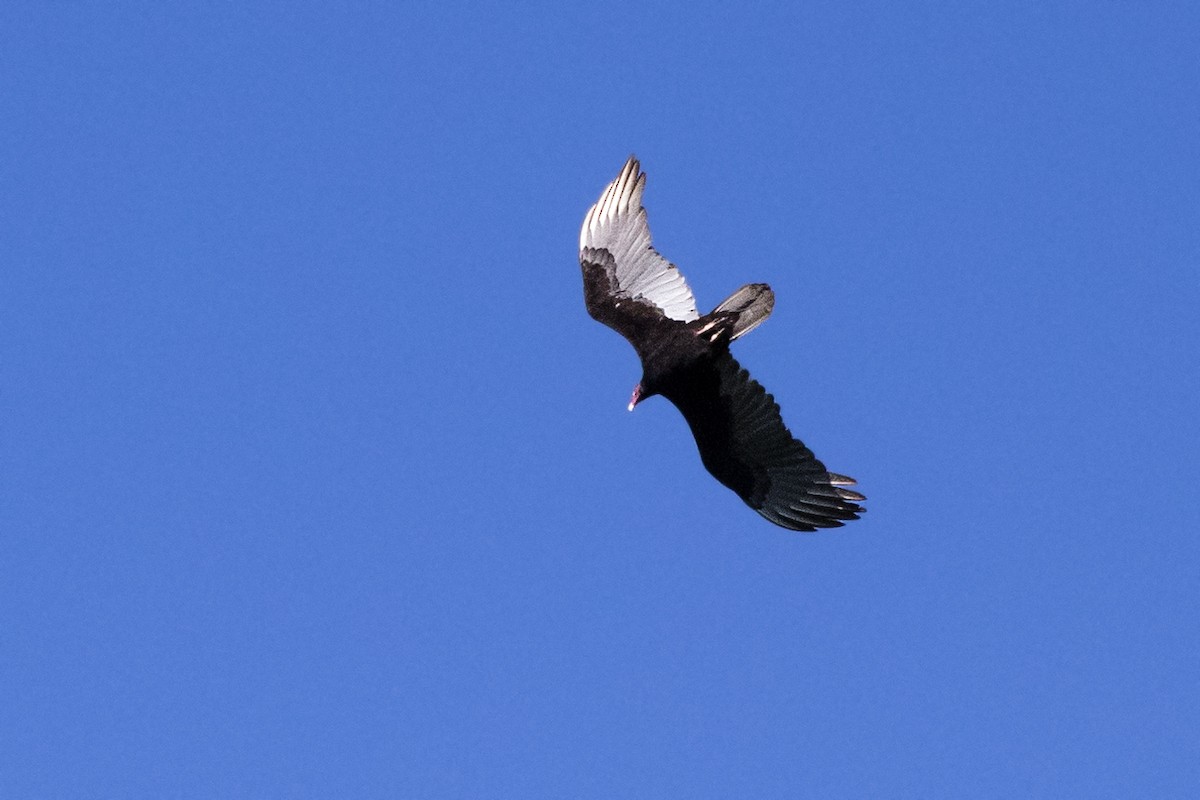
640	393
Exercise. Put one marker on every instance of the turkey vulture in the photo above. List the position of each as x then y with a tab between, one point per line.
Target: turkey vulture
685	358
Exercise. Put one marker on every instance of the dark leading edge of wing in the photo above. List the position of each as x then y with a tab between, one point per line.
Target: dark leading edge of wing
745	445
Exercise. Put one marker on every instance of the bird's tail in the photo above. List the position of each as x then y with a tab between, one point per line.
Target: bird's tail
748	307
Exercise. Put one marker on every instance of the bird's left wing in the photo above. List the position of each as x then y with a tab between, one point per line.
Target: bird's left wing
744	443
625	278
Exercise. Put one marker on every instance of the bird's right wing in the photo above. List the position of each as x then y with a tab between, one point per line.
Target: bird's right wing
745	445
626	281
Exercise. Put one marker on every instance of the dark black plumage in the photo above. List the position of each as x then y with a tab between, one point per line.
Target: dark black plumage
685	357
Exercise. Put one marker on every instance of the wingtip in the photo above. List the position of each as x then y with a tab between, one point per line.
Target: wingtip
621	195
837	481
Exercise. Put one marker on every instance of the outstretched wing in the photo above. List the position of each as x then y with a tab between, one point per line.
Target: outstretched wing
627	284
745	445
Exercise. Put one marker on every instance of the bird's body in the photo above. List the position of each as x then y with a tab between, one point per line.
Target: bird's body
685	357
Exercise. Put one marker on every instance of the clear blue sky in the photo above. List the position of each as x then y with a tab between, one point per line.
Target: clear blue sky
318	480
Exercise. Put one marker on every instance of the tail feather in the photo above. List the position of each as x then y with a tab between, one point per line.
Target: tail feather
749	306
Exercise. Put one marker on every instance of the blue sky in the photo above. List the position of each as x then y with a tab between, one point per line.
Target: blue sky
319	482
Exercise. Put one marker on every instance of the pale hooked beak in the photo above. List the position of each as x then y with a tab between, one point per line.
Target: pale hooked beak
637	396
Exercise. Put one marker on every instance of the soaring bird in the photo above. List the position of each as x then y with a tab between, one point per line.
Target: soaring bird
685	358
